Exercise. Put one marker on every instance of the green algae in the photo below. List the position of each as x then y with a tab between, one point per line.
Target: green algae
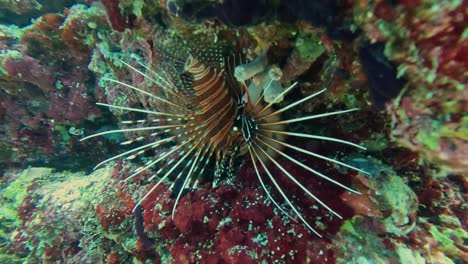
358	245
409	256
15	193
11	32
6	258
430	139
13	197
403	202
239	248
4	55
309	46
261	239
349	228
63	200
63	132
135	7
447	239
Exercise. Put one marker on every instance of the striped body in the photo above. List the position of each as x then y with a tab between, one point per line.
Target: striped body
217	108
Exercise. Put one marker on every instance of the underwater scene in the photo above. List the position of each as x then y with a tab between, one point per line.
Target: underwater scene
234	131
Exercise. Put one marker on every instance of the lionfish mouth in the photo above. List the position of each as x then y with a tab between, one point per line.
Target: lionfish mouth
212	114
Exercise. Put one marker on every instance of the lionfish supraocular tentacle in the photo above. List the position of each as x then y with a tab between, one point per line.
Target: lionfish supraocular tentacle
205	113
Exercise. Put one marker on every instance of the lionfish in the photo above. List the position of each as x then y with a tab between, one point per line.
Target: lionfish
209	115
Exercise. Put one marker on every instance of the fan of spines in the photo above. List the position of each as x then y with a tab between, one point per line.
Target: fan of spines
203	117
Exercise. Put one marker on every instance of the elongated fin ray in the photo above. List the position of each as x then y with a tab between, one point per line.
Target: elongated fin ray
308	168
293	104
315	154
276	98
299	119
303	135
129	130
265	188
262	94
154	162
144	147
163	178
140	110
145	121
186	181
284	195
209	151
167	84
285	172
149	94
164	83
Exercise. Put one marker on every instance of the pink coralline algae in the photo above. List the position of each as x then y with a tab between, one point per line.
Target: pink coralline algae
45	86
28	69
74	105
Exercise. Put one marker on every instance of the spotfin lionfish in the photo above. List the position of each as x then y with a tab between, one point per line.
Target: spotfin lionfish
211	114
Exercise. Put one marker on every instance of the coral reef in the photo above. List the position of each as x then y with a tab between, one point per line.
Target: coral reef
47	215
46	87
403	63
427	41
391	222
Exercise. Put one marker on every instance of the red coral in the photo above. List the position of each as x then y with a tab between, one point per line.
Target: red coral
108	217
114	210
27	209
362	204
71	33
227	224
50	22
442	42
